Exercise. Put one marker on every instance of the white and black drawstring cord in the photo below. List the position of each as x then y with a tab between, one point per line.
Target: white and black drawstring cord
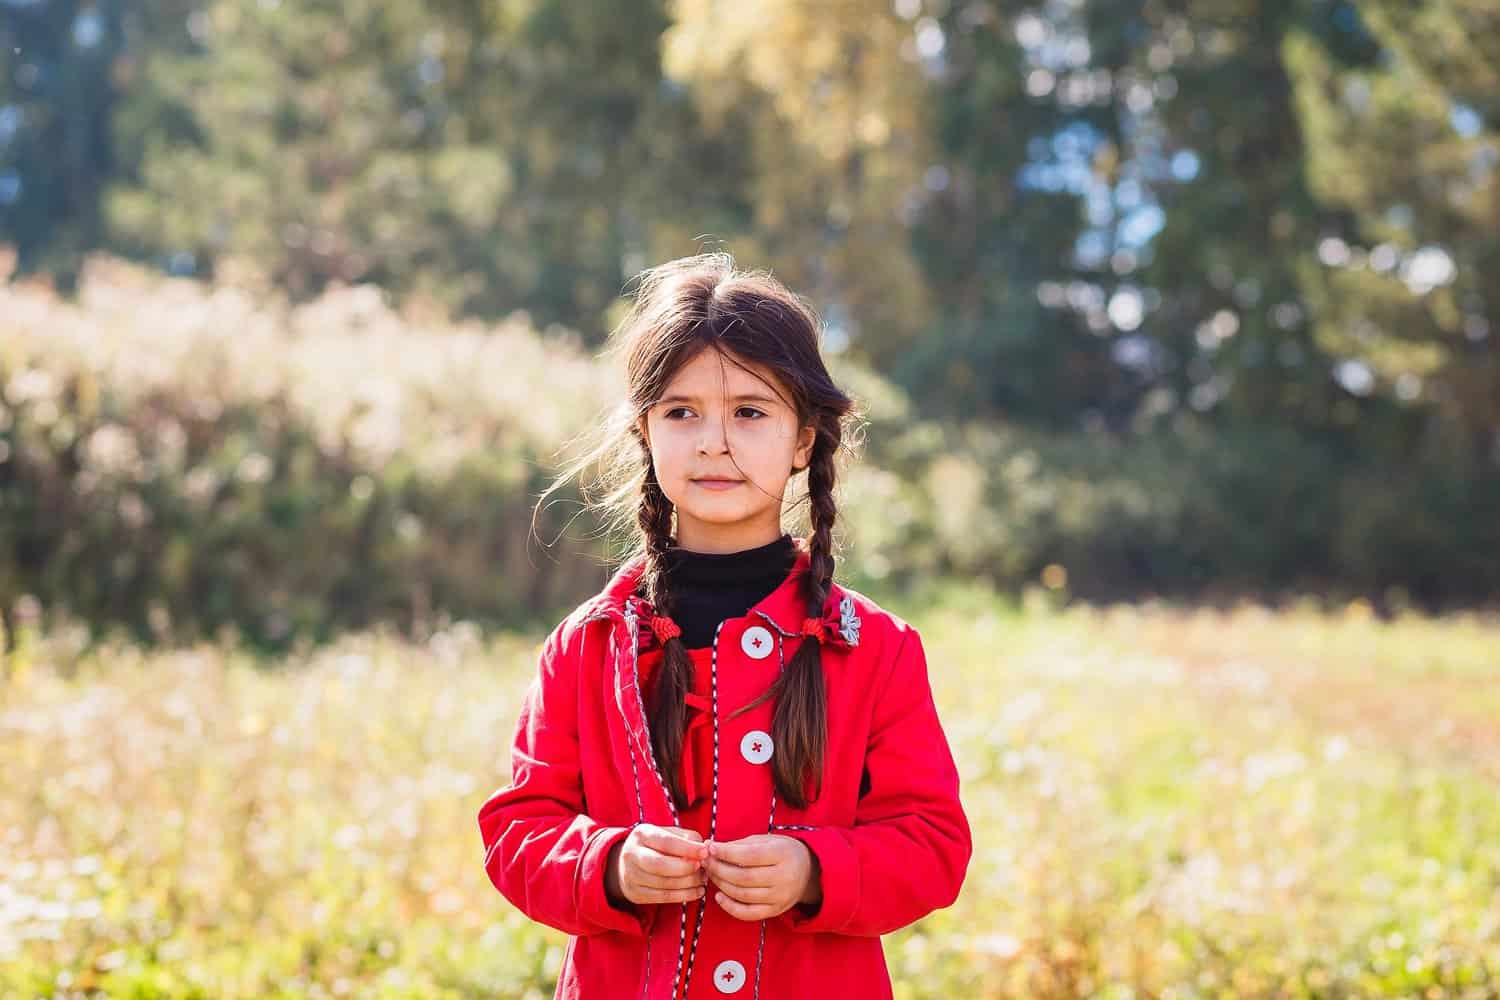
713	804
634	631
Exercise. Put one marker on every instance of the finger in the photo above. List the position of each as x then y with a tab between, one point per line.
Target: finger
731	874
747	893
743	911
662	865
656	882
748	853
670	840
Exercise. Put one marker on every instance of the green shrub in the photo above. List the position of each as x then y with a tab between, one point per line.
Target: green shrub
178	460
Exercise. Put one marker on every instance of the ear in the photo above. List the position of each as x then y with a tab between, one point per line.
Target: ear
644	428
803	454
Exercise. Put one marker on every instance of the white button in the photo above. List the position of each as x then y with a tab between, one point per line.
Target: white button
756	642
756	747
729	976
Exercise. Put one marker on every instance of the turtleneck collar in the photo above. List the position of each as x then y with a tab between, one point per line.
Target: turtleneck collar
769	563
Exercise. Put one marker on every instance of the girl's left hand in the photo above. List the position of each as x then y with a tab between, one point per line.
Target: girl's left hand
762	876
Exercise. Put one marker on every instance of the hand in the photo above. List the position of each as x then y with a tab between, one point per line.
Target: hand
763	876
657	864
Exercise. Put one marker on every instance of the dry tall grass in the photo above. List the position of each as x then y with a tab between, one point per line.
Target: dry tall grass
1164	805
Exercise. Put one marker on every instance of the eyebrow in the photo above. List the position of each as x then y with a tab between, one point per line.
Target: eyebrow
679	398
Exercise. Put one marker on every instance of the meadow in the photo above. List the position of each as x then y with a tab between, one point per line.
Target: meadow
1166	803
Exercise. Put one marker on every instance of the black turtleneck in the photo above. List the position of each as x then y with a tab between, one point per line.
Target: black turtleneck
708	587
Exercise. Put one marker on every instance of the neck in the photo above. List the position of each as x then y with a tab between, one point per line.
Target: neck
694	537
767	563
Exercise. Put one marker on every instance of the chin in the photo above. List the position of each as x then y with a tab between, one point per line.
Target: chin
717	516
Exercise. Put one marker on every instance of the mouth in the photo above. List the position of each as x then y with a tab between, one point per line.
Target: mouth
718	483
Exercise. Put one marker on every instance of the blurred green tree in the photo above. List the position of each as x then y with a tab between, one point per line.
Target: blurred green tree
825	107
60	79
1407	147
482	155
994	221
1213	158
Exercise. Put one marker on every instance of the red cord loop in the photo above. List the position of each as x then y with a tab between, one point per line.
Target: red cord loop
664	628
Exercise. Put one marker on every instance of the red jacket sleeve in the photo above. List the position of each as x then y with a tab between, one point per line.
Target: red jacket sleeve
541	850
910	845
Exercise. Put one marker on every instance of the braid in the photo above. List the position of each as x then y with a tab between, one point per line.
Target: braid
654	516
666	708
799	726
822	512
801	721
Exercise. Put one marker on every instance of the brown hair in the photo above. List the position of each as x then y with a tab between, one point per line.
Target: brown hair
681	308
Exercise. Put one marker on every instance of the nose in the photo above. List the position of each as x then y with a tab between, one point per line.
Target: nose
712	440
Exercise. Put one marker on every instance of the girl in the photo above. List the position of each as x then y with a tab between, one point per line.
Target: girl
728	775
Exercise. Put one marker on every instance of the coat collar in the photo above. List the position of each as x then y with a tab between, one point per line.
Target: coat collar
783	606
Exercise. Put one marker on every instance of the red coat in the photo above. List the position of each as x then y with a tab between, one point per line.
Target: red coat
888	830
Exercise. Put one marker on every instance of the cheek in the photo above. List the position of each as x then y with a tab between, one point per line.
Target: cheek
778	448
667	448
766	437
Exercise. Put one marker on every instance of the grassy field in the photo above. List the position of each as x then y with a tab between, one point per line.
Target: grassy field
1165	804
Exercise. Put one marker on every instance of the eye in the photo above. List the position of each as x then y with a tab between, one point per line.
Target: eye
750	409
668	414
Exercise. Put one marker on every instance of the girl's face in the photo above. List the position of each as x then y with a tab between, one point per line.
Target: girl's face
725	441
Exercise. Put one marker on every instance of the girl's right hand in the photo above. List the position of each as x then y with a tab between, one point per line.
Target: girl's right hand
658	864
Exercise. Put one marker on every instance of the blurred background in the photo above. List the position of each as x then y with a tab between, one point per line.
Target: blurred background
1174	322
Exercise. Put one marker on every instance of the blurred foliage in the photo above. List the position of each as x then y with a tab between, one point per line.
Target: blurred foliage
1173	297
1227	805
1407	148
63	67
1063	213
451	150
180	458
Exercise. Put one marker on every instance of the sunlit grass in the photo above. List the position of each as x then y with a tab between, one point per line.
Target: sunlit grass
1164	804
1180	819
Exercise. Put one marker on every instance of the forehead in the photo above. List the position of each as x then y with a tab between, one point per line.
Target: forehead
713	373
